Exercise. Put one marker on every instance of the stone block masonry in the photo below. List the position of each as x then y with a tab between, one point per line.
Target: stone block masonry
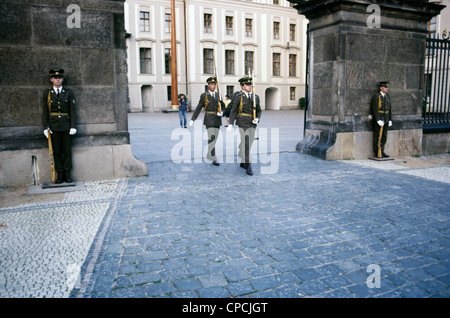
348	58
87	40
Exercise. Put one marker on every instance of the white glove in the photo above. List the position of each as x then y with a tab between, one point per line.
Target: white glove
220	114
255	121
380	123
390	123
46	132
230	127
72	131
191	123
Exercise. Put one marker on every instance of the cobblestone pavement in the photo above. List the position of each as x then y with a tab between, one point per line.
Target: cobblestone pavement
312	228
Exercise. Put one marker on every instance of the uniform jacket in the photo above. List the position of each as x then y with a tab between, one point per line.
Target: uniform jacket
381	108
62	114
211	119
244	121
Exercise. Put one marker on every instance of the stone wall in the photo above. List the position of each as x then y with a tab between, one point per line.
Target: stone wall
348	59
37	35
436	143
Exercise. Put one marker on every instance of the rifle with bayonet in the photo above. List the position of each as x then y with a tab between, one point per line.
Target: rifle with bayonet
219	100
50	147
254	96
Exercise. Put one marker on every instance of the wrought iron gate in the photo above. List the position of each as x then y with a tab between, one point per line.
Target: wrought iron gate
436	100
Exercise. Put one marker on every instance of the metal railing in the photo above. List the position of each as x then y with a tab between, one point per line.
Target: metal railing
436	99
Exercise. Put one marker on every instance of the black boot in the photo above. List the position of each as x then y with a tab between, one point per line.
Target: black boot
249	170
244	165
67	177
60	177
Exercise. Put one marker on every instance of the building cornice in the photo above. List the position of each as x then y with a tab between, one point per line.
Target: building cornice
141	39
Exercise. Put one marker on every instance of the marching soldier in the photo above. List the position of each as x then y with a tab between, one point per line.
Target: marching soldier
209	101
381	111
247	112
59	118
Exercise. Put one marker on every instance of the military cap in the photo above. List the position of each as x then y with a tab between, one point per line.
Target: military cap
245	80
211	79
385	83
56	72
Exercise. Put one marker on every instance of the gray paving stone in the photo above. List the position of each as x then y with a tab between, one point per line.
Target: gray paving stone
240	288
195	230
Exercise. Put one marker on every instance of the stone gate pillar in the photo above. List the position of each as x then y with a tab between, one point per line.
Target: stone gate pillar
352	48
87	40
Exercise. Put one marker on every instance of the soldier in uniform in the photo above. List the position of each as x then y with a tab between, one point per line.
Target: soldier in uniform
381	112
209	101
60	119
247	115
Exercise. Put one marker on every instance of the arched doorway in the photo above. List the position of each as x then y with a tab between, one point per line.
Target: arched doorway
272	98
147	98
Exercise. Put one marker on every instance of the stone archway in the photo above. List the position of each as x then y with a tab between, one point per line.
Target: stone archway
273	97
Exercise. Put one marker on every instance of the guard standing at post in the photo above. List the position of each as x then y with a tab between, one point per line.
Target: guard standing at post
59	118
382	119
209	101
246	110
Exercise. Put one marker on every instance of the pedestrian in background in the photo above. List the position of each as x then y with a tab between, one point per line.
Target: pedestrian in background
182	109
227	110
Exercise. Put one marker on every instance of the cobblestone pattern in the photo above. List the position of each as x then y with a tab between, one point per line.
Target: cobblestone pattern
44	245
195	230
310	230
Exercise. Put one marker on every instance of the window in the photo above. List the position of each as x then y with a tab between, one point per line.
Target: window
146	60
230	91
167	22
292	32
248	28
229	62
292	64
208	61
229	25
248	61
144	21
292	93
207	22
276	64
168	66
276	30
169	93
276	2
432	28
431	35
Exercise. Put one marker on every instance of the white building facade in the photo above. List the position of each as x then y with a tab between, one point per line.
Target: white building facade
227	38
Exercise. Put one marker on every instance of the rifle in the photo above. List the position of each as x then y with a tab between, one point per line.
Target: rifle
379	143
50	147
381	131
254	96
219	108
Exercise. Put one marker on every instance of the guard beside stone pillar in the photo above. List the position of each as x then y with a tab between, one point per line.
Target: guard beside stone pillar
87	39
353	46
